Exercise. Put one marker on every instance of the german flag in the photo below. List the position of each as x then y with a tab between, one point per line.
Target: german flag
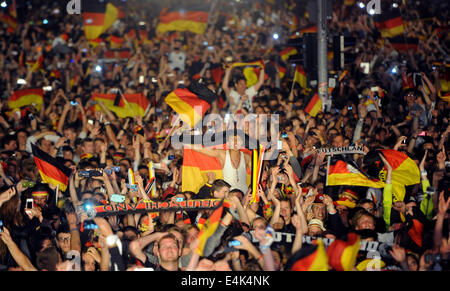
305	29
98	17
257	63
38	64
194	19
124	53
191	103
55	74
137	104
195	167
26	97
96	42
252	75
300	76
281	71
115	41
286	53
342	254
210	227
390	23
314	106
309	258
52	172
217	73
403	44
9	20
348	173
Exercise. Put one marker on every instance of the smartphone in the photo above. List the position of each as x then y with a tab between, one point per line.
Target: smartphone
154	80
90	173
234	243
171	157
27	184
374	89
211	48
141	79
91	122
118	198
417	78
280	144
47	88
1	225
350	107
29	203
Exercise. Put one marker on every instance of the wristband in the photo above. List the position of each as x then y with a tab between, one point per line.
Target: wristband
74	229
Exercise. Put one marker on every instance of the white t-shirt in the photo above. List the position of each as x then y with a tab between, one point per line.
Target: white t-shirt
177	60
236	98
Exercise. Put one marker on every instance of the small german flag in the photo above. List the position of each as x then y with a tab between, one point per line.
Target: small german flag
305	29
50	169
309	258
137	104
286	53
300	76
9	20
314	106
403	44
115	41
217	73
342	254
25	97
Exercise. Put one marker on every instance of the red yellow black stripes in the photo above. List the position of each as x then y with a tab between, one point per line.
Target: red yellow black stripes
26	97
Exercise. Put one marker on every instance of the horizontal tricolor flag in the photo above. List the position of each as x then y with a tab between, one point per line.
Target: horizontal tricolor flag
306	29
51	171
194	19
115	41
314	106
98	17
191	103
25	97
137	104
342	254
9	20
286	53
342	173
390	23
124	53
403	44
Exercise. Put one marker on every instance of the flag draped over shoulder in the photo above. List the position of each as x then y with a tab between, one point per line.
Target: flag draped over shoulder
309	258
210	227
343	173
51	171
98	17
137	104
25	97
194	19
191	103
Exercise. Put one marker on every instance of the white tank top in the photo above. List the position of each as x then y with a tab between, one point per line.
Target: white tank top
237	178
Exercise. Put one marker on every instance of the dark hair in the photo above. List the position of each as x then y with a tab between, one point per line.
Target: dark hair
47	259
219	184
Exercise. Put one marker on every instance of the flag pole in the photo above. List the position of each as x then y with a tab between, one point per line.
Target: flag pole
172	129
328	168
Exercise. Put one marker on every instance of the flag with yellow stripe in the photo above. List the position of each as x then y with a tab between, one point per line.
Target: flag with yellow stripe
25	97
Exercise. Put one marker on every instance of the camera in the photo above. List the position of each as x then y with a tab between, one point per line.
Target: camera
90	173
284	135
1	225
27	184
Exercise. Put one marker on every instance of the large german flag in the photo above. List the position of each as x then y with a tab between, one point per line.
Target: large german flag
137	104
191	103
390	23
98	17
26	97
210	227
195	167
52	172
343	173
342	254
314	105
309	258
194	19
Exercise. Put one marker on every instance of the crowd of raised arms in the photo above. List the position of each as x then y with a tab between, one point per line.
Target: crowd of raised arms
389	102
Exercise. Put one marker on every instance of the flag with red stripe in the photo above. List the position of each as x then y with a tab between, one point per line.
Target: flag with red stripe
50	169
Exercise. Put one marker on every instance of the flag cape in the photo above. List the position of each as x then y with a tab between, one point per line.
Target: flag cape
26	97
98	17
309	258
137	102
342	173
51	171
314	106
195	19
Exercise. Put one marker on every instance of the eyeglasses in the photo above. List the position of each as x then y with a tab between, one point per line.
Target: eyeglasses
63	239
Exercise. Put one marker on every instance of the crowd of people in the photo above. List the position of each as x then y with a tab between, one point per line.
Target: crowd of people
294	201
